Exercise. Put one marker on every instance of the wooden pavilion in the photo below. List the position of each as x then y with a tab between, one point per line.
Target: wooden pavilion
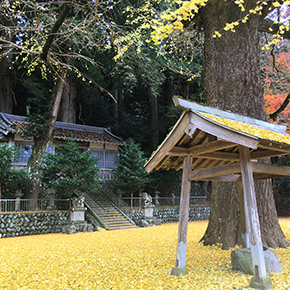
215	145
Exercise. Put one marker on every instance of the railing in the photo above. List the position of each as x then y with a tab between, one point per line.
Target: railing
104	173
15	205
114	198
163	201
87	196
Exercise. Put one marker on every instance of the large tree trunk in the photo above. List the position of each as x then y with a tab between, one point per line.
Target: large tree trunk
154	122
67	111
5	75
168	92
40	144
231	77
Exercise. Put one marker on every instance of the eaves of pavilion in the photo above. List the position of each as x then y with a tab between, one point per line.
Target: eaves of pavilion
215	145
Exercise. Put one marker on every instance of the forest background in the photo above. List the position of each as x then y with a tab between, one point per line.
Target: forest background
114	76
96	63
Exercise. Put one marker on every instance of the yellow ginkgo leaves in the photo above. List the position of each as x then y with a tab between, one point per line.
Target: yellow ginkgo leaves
252	130
172	20
125	259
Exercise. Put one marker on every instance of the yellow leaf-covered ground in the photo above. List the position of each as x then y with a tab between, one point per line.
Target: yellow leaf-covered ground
126	259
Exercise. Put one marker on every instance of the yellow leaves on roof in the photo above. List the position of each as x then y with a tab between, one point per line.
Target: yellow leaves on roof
126	259
250	129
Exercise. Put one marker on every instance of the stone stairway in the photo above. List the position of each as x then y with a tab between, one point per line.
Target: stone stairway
107	212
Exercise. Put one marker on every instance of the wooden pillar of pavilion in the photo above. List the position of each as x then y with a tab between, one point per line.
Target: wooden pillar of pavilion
243	225
260	280
180	268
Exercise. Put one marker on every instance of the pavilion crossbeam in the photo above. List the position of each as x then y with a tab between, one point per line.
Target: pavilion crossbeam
214	171
267	153
224	178
266	144
231	172
219	156
271	169
209	147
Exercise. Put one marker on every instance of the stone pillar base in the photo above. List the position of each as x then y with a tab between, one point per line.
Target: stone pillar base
148	212
179	271
51	207
78	214
263	284
77	227
148	222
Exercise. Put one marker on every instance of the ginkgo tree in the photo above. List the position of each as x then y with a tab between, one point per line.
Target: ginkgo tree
232	81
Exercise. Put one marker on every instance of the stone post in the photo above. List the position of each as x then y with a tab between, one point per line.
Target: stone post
18	196
173	199
120	198
51	193
140	199
157	198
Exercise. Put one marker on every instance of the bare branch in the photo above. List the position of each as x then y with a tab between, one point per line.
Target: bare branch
267	25
63	14
19	46
274	115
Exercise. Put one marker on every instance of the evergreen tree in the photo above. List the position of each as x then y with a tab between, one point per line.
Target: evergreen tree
10	179
130	174
70	170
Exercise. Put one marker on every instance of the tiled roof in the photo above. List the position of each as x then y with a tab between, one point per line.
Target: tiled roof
84	133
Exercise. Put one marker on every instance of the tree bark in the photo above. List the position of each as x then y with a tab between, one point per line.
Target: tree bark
154	122
231	77
5	76
168	92
40	144
67	111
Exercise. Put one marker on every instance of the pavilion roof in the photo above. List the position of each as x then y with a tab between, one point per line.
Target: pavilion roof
212	137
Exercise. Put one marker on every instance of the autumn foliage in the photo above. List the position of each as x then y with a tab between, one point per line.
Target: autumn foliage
276	85
125	259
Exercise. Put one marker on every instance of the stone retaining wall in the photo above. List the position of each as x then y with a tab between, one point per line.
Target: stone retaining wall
45	222
171	214
32	223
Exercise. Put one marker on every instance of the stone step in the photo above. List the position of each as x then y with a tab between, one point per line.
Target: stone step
118	225
116	221
110	213
126	228
112	218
